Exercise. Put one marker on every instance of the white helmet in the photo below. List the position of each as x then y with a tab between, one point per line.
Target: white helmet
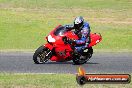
78	22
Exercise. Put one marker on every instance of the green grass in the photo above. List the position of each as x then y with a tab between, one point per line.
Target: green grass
25	23
12	80
94	4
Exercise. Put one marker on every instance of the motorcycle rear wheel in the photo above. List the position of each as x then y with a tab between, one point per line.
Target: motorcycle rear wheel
41	55
82	59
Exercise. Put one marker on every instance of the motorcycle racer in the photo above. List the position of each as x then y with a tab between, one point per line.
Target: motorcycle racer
82	29
58	47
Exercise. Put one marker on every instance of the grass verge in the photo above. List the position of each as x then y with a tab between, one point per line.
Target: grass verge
25	23
13	80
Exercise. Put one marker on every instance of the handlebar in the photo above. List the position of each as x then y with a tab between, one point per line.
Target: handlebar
67	40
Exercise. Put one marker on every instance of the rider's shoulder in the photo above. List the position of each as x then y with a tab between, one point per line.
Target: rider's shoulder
86	24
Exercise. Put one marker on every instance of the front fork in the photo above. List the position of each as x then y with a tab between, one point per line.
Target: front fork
49	51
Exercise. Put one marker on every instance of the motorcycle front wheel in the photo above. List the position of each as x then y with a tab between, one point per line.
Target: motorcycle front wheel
42	55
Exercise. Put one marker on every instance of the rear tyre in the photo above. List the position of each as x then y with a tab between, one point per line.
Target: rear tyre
90	52
77	60
82	59
42	55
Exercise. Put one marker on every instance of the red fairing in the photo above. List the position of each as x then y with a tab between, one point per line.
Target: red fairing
95	38
63	51
49	46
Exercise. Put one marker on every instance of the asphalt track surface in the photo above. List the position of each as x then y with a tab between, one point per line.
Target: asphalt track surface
21	62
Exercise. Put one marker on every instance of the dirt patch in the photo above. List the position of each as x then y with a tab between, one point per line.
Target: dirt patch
112	19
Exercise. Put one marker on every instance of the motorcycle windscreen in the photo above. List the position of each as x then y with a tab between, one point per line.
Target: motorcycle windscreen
60	31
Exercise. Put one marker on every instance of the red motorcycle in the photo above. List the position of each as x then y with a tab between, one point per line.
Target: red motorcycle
59	49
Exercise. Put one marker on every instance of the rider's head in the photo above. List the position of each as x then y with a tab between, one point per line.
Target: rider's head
78	22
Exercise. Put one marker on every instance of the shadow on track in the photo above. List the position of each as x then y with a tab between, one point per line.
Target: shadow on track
68	63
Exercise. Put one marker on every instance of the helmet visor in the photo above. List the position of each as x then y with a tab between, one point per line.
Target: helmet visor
78	26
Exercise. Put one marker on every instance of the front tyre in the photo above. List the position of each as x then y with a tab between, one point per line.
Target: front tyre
42	55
